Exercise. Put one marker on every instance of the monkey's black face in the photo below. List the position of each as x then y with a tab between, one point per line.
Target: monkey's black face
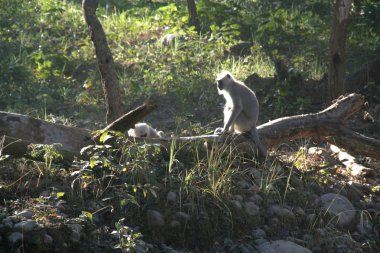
220	84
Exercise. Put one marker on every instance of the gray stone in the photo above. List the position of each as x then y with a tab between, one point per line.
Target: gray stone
257	199
25	226
251	208
182	216
339	209
76	232
260	241
15	218
15	237
282	212
259	233
299	212
171	197
75	227
364	227
175	224
155	219
241	48
8	223
283	247
236	204
311	217
237	197
75	237
48	239
27	213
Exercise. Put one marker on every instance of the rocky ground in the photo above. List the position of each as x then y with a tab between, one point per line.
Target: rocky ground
303	200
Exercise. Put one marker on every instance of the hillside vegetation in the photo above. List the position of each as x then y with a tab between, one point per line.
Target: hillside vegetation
144	198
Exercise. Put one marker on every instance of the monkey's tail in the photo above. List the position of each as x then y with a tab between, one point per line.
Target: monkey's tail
255	137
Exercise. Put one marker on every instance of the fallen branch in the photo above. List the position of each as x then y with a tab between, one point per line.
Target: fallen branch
353	167
129	119
325	125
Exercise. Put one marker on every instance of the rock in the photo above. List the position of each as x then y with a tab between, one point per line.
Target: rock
62	206
171	197
15	237
27	213
182	216
236	205
364	227
8	223
14	218
75	237
241	48
75	227
341	248
237	197
251	208
3	228
257	199
260	241
311	217
283	247
282	212
259	233
299	212
48	239
155	219
254	188
243	184
25	226
76	232
175	224
339	208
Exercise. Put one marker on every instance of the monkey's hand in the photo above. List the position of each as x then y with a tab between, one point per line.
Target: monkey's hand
219	131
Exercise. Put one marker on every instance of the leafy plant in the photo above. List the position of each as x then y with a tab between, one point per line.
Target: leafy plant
130	240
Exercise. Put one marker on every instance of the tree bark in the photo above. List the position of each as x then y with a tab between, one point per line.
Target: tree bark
326	125
110	84
193	15
337	50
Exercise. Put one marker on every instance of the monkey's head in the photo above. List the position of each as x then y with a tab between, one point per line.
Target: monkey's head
224	80
141	130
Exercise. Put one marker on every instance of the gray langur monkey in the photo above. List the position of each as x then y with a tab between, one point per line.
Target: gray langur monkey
241	110
144	130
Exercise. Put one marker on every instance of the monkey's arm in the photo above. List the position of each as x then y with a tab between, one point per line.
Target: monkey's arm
235	111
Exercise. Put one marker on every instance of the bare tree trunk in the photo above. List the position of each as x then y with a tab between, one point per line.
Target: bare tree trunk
337	50
193	15
111	88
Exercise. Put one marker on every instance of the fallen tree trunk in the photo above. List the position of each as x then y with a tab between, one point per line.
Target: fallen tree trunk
18	131
326	125
129	119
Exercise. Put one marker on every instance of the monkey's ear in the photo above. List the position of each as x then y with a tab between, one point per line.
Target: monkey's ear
228	75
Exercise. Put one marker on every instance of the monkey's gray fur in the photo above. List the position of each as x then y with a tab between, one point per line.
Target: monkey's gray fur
241	110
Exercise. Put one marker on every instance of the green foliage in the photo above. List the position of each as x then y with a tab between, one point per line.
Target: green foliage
129	239
48	153
48	60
